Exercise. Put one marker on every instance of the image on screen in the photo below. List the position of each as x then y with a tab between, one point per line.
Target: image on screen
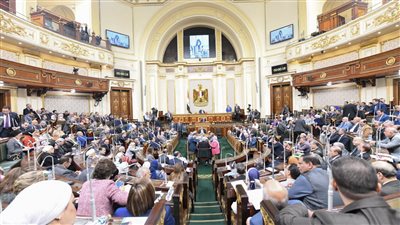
199	46
117	39
281	34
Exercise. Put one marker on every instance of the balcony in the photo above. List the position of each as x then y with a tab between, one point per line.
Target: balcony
16	30
382	19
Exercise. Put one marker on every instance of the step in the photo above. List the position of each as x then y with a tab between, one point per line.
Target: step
206	216
214	209
222	221
206	203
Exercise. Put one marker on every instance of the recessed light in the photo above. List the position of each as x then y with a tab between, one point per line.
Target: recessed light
379	32
397	25
349	43
50	52
87	60
20	43
63	56
336	47
2	37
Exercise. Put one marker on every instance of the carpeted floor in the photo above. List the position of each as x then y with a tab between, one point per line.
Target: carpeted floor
206	208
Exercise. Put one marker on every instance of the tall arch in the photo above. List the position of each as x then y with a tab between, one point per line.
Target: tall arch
223	16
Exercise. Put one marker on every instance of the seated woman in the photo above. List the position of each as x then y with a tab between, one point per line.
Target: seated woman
6	186
14	146
155	173
106	193
46	202
142	191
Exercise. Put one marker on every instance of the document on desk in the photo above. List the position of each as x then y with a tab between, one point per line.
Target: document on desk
255	197
133	221
234	183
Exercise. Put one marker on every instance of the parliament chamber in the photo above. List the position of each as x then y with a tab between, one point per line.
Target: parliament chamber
236	112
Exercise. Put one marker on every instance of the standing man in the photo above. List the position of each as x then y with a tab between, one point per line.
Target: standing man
9	121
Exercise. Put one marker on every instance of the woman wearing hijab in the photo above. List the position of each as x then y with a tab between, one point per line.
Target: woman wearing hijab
105	191
155	173
215	150
46	202
254	177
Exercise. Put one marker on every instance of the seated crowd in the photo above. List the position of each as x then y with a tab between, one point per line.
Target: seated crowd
96	151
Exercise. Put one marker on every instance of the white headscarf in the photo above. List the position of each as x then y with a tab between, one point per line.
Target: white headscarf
39	203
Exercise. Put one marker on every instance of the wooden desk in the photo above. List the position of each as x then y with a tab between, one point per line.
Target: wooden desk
220	129
197	118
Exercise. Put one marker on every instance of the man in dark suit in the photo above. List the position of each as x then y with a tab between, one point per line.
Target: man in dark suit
387	177
299	127
357	183
236	113
350	110
8	122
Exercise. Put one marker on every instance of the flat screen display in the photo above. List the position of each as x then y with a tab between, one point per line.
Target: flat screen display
281	34
117	39
199	46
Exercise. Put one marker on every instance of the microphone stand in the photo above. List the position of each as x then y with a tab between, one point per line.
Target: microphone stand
273	157
52	165
92	201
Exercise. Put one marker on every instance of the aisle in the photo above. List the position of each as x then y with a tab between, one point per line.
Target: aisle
206	209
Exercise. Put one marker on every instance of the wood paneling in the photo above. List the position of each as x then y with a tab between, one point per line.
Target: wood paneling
378	65
121	103
5	98
196	118
29	76
281	94
396	91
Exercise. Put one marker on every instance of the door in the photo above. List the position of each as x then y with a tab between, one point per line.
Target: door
121	105
396	91
5	98
281	94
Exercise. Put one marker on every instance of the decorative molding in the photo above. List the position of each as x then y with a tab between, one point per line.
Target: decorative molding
22	75
381	20
15	28
369	67
8	26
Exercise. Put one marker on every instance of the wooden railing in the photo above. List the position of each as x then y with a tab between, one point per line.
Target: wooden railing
332	19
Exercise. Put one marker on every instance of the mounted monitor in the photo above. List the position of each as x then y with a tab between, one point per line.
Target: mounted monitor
282	34
118	39
199	42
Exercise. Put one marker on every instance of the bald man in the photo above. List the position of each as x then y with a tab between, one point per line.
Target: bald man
387	177
274	192
391	143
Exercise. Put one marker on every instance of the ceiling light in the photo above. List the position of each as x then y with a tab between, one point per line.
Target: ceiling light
72	91
349	43
63	56
50	52
397	25
1	83
2	37
336	47
329	83
20	43
379	32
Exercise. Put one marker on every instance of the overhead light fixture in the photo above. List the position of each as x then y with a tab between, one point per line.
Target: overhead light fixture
349	43
1	83
397	25
336	47
63	56
329	83
50	52
72	91
379	32
20	43
2	37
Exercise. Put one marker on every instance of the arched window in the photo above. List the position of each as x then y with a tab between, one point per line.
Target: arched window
171	53
228	52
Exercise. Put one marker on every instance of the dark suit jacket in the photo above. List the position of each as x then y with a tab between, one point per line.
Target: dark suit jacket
14	119
300	126
391	187
350	111
373	210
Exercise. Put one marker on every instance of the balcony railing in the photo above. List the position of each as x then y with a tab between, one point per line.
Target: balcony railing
383	19
68	28
17	29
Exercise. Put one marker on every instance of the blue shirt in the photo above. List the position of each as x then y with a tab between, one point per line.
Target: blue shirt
168	220
228	109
